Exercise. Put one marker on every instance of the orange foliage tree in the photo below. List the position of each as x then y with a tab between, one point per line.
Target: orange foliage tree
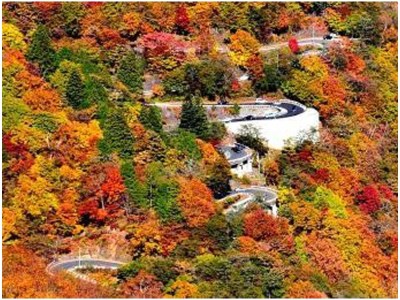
42	99
271	232
243	46
259	225
304	289
24	276
76	142
105	190
195	201
327	257
144	285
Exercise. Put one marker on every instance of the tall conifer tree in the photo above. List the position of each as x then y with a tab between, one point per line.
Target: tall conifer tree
75	90
117	135
41	50
131	72
194	118
150	117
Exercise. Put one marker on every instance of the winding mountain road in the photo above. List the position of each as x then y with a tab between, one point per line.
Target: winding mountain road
249	195
316	41
66	265
71	265
287	107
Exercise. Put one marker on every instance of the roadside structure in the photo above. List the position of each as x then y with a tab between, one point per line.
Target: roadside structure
239	157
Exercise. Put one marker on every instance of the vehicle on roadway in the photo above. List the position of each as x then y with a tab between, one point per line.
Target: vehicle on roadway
222	102
249	117
238	147
330	36
261	100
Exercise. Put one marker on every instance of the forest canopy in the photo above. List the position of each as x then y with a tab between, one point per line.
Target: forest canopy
92	167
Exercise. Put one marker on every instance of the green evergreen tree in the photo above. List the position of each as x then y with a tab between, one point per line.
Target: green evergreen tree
270	82
131	72
72	13
215	79
158	192
150	117
185	141
217	131
117	136
137	191
75	90
218	229
209	78
41	51
194	118
218	178
162	192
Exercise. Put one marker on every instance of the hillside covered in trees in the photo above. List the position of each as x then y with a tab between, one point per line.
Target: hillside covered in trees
90	169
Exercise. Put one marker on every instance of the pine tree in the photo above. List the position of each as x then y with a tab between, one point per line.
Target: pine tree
117	136
131	72
194	118
75	90
150	117
136	191
41	51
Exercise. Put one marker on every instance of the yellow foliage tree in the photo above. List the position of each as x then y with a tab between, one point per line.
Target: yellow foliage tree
13	38
9	220
146	237
243	46
182	288
34	197
77	141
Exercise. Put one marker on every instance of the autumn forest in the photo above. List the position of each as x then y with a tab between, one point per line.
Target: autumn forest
114	115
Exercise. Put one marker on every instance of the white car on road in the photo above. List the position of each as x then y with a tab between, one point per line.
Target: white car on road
261	100
330	36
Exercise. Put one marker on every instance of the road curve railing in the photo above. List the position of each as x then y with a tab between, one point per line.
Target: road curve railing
269	196
248	198
285	100
279	104
248	153
72	265
318	41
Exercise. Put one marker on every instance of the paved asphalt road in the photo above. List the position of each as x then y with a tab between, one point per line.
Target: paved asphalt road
269	197
83	262
292	110
267	194
317	41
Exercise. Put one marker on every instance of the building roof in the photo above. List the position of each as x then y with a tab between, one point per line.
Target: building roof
235	153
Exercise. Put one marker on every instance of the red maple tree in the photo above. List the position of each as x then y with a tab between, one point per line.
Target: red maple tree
182	20
368	199
294	45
